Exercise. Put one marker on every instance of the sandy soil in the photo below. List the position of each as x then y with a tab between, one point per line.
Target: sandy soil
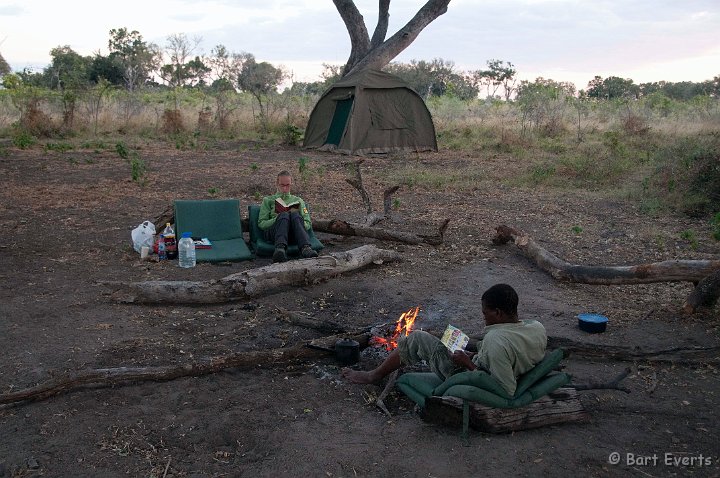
66	221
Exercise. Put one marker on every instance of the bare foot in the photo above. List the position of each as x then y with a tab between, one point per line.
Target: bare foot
357	376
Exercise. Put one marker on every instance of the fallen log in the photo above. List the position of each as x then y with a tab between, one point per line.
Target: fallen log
666	271
250	283
342	228
301	320
613	384
560	406
675	355
705	294
104	377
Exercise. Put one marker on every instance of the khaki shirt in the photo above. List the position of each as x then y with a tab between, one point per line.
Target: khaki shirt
509	350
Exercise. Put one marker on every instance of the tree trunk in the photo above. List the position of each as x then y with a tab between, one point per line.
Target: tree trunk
253	282
667	271
378	52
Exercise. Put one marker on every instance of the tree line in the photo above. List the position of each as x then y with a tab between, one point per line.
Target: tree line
134	66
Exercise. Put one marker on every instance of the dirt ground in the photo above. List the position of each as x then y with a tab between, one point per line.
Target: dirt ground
66	221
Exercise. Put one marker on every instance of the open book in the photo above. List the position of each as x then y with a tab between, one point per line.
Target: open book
282	206
202	243
454	339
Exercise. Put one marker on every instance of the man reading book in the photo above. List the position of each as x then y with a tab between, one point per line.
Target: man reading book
284	219
509	348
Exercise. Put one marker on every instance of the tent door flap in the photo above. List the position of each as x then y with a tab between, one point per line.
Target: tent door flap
339	120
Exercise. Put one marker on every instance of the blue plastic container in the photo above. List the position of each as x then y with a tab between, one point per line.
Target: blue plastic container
592	323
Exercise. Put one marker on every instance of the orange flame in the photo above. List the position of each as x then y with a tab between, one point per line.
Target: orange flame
403	326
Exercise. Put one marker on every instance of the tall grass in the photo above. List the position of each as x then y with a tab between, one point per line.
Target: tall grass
660	152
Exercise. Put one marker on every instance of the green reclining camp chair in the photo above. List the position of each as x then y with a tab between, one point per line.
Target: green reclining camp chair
264	248
479	386
219	221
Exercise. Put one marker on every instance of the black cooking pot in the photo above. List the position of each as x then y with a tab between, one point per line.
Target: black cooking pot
347	351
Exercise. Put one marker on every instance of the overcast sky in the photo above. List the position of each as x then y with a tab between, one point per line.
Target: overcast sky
565	40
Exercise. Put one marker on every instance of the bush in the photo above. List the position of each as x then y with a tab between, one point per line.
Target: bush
688	175
172	122
23	139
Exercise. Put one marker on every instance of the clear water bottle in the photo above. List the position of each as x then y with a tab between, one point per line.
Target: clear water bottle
162	252
186	251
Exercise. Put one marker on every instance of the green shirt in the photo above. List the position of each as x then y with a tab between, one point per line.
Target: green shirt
267	215
509	350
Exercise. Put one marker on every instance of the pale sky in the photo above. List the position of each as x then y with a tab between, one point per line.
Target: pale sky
564	40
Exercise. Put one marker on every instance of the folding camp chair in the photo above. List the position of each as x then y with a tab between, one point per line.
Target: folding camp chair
263	247
219	221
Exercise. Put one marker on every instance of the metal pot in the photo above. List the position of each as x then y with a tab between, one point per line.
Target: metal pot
347	351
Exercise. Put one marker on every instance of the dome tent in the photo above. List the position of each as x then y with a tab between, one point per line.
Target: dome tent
370	112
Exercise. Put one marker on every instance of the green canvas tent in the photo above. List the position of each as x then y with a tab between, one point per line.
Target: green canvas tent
370	112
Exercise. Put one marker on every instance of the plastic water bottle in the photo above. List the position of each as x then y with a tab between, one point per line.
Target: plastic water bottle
162	252
170	243
186	251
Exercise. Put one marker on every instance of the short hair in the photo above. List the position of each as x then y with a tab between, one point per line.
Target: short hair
503	297
284	172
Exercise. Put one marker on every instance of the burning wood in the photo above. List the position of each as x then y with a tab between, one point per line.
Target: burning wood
403	327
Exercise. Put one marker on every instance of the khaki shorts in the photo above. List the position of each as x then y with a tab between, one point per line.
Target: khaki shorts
420	345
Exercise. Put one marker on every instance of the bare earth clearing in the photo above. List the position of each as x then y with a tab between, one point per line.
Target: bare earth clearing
66	221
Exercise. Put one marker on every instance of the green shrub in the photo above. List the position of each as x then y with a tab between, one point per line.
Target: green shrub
122	150
716	226
290	134
690	236
59	147
24	139
688	174
138	168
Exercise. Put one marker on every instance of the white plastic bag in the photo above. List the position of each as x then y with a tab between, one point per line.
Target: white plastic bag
143	235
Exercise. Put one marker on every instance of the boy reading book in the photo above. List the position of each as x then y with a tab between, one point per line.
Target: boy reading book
510	348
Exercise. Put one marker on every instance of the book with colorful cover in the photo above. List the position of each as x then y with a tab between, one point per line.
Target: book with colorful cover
454	339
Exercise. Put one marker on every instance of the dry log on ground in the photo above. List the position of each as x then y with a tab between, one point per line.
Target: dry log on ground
343	228
613	384
676	355
253	282
302	320
122	375
561	406
666	271
705	294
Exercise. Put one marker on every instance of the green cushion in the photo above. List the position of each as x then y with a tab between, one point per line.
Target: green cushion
545	366
478	386
264	248
218	220
418	386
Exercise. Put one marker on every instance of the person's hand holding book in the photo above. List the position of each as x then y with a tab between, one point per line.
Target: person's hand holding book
463	359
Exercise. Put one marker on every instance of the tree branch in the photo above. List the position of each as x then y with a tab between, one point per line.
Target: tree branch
382	24
393	46
355	25
613	384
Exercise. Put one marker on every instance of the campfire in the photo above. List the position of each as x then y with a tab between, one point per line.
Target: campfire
403	327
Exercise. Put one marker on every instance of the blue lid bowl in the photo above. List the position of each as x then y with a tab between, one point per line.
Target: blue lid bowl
592	323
